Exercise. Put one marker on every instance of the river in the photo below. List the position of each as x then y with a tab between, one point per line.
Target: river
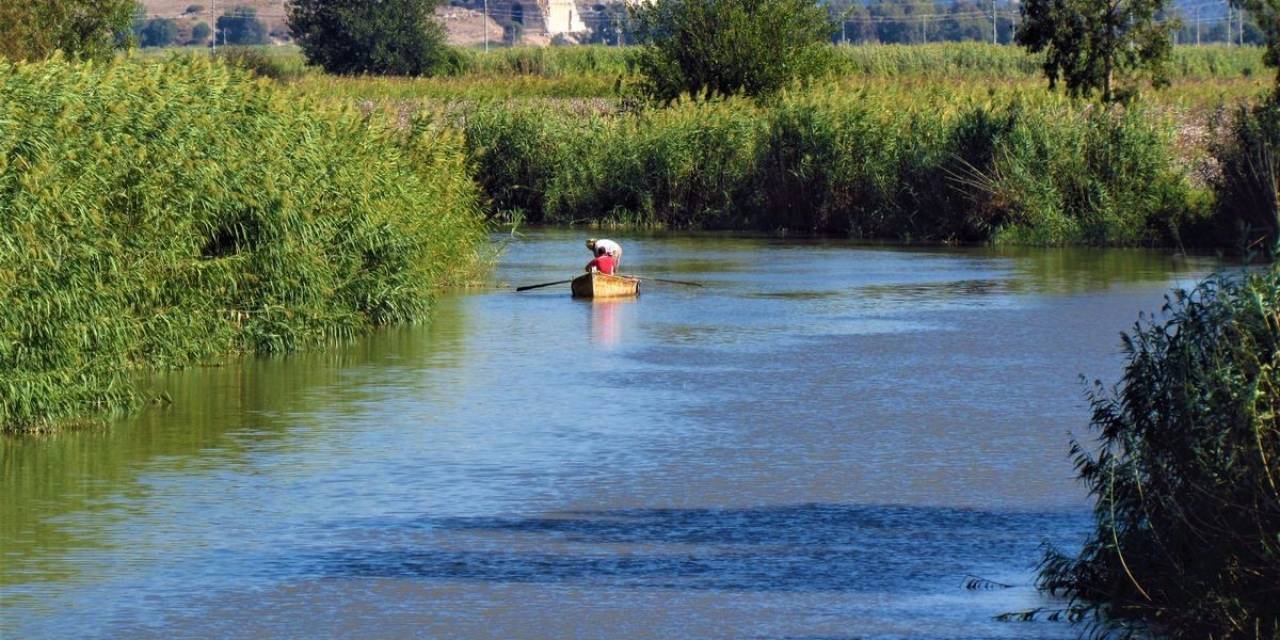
824	441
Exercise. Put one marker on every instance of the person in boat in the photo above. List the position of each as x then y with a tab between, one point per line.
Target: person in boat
613	249
603	262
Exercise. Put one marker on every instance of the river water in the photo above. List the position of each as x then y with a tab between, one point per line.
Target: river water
822	442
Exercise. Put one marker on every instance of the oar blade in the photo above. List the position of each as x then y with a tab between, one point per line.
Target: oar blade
539	286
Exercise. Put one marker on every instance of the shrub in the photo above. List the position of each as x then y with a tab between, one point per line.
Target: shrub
200	33
1185	473
160	214
392	37
78	28
1247	214
159	32
726	47
241	26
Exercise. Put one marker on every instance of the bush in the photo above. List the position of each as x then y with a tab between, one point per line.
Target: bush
160	214
1186	471
241	26
727	47
392	37
159	32
200	33
87	29
1247	215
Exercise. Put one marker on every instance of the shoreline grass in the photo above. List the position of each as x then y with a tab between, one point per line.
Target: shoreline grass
164	214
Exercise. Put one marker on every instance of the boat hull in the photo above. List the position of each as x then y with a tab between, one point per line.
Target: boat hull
601	285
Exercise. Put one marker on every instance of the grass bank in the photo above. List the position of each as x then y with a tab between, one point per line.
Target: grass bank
162	214
1026	167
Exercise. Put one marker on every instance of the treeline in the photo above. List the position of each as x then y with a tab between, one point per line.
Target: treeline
239	25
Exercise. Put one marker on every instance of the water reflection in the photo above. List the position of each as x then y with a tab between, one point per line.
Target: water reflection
608	320
220	417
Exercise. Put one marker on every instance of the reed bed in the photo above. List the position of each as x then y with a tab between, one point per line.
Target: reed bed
162	214
1031	168
1184	474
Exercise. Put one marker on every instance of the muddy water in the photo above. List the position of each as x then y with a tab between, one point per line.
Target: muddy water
824	441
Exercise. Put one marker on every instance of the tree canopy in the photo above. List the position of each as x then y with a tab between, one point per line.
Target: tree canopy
1088	43
241	26
725	47
394	37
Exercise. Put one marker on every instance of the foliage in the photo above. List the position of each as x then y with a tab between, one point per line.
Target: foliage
1266	13
611	25
927	167
240	26
200	33
1087	43
262	61
727	47
392	37
166	213
1247	214
1185	472
158	32
89	29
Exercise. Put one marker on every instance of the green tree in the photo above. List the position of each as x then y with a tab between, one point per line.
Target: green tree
159	32
725	47
33	30
1087	43
394	37
241	26
610	24
200	33
1266	15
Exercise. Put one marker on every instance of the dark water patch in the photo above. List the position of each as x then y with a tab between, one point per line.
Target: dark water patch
795	295
816	547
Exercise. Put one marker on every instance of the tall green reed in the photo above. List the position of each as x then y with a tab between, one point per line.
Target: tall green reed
161	214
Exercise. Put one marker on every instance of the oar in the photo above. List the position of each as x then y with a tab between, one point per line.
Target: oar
683	282
545	284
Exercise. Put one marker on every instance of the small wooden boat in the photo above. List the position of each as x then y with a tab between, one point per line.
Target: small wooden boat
603	285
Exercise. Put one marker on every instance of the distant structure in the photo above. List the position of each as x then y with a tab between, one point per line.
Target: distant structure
537	20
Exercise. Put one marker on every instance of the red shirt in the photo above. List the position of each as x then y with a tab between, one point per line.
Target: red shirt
603	264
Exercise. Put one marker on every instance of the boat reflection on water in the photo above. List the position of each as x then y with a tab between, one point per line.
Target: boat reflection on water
608	317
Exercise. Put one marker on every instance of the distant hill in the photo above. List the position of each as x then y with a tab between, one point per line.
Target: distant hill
464	27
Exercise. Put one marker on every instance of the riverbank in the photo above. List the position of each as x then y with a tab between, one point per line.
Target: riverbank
167	211
937	143
164	214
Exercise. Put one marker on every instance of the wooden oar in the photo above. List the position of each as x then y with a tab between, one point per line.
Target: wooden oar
545	284
683	282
